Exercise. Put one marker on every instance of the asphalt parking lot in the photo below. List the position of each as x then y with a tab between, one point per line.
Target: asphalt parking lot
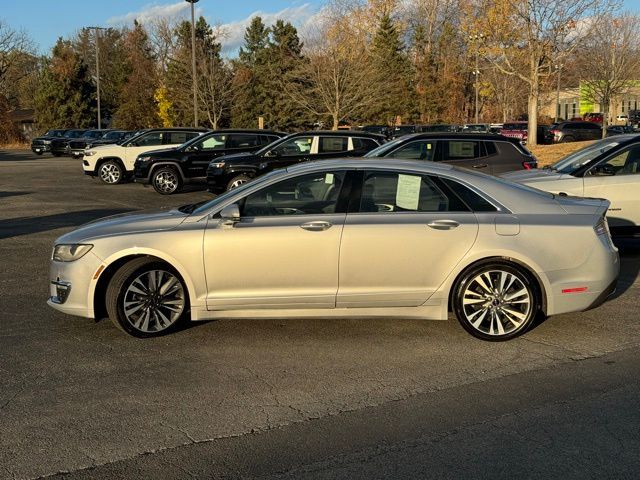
297	398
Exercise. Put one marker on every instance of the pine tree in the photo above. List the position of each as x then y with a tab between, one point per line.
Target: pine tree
392	71
65	96
136	101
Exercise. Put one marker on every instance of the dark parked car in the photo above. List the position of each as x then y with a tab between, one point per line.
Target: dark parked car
59	145
168	170
231	171
520	131
619	130
114	136
487	153
75	147
400	130
575	131
379	129
42	144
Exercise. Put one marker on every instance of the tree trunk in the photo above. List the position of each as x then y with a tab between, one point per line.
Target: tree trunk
336	122
532	127
605	116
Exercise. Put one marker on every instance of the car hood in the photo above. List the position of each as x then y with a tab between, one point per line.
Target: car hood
105	146
234	156
535	175
125	223
160	152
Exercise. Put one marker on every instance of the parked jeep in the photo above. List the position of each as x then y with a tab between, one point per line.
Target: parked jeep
113	163
40	145
168	170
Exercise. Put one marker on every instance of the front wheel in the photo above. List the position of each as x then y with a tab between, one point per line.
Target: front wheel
496	301
166	181
110	172
146	298
238	180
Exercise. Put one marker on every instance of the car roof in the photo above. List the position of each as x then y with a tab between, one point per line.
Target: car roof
458	136
248	130
341	133
174	129
362	162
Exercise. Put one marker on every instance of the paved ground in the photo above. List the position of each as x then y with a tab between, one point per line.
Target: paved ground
294	398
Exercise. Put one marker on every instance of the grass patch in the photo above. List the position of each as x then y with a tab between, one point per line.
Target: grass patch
547	154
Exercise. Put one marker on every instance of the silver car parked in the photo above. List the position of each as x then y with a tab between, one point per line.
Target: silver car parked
359	237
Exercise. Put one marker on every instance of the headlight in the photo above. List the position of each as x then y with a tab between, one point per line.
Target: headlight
216	164
145	158
46	142
89	153
70	252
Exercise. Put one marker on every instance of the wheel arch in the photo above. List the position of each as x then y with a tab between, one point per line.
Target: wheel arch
539	282
113	264
118	160
167	163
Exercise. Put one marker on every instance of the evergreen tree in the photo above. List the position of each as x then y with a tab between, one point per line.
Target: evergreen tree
136	99
392	71
65	96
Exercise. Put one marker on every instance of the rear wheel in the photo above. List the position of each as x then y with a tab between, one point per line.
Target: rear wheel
238	180
496	301
110	172
166	180
146	298
56	154
568	138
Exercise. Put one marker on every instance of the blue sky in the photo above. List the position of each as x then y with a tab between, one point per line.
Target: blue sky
46	20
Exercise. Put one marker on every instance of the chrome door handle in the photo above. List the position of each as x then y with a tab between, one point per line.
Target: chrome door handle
317	226
443	224
480	165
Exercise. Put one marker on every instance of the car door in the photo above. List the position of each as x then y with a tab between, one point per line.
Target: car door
283	252
297	149
401	240
465	153
201	153
617	178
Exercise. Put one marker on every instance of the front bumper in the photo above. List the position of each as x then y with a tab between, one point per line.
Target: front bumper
40	148
141	171
72	285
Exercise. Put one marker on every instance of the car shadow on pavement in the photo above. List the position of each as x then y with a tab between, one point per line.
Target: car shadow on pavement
15	227
629	264
13	194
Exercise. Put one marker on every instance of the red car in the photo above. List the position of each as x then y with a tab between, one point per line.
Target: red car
520	130
593	117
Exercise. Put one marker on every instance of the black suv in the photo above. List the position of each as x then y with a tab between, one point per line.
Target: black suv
488	153
167	170
42	144
59	145
230	171
575	131
112	136
76	146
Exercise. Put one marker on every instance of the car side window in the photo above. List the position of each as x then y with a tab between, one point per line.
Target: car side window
315	193
623	163
214	142
360	143
242	140
474	201
490	148
419	150
388	192
333	144
294	146
460	149
149	140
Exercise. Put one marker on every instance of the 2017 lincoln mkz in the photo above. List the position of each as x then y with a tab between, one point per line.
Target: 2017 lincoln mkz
353	237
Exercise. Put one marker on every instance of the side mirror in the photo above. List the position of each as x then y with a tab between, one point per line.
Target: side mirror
605	169
230	213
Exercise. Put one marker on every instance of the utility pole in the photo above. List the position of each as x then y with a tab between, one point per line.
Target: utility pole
193	62
97	39
476	39
558	70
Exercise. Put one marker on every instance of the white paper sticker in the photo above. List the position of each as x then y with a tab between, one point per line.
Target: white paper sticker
328	178
408	192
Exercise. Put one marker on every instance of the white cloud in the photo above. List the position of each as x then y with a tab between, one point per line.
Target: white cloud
303	17
151	12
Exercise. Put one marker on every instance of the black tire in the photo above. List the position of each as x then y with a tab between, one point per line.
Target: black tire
118	292
237	181
166	180
497	314
56	154
568	138
111	172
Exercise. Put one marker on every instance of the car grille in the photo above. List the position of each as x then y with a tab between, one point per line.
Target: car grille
77	145
38	143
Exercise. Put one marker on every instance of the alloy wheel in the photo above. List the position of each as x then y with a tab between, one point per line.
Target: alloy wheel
496	302
153	301
166	181
110	173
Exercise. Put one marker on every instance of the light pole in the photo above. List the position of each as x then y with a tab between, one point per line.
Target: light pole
558	69
193	62
476	39
97	33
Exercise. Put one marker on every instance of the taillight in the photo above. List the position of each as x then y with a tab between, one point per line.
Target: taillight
602	227
554	132
530	165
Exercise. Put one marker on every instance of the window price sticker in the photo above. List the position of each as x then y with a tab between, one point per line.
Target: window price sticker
408	192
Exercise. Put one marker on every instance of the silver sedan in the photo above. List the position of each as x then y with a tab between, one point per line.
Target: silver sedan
368	237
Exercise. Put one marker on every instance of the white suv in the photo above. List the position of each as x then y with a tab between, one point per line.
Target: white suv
112	163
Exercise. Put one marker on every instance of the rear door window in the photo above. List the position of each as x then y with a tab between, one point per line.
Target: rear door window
460	150
178	138
242	140
333	144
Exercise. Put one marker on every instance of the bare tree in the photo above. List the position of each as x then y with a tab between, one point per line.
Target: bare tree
216	89
611	60
163	40
13	45
538	33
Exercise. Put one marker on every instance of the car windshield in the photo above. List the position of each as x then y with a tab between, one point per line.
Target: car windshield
112	135
385	148
203	208
74	134
514	126
574	161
